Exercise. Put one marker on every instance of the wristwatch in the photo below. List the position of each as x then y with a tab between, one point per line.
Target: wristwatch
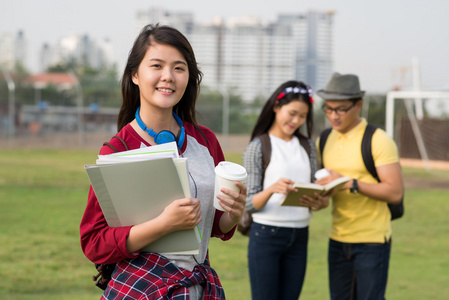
355	187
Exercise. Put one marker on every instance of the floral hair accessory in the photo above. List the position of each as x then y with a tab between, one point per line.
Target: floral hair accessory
296	90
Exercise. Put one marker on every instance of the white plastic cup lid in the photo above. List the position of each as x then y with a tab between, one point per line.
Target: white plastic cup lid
231	171
321	173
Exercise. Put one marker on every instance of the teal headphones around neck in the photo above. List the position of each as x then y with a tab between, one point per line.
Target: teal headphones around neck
165	136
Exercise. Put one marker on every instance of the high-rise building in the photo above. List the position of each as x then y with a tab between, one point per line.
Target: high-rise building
79	49
253	56
256	57
312	34
181	20
13	48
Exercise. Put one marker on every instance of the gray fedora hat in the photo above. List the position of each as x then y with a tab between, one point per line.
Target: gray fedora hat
342	87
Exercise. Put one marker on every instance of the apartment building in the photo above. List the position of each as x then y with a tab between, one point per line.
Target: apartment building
80	49
13	48
253	56
71	48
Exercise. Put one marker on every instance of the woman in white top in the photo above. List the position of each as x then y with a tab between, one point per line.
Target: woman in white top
277	251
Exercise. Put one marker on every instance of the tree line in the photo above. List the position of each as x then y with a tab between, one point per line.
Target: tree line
101	87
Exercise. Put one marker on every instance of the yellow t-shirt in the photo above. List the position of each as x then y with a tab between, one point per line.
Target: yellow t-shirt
355	217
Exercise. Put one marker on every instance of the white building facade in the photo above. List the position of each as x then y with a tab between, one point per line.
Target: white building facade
13	49
254	57
79	49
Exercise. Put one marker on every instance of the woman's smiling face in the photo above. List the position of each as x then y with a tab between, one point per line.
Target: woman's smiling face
162	76
289	117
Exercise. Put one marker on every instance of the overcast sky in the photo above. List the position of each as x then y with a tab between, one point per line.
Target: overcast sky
373	39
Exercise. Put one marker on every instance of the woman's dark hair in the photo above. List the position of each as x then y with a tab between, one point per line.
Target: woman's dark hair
164	35
267	115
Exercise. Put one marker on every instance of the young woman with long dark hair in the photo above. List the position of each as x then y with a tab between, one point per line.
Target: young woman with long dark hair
160	86
277	251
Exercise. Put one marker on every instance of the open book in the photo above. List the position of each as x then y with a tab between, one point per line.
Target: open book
311	188
135	188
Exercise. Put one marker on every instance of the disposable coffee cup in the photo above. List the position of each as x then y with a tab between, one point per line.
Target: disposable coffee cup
226	173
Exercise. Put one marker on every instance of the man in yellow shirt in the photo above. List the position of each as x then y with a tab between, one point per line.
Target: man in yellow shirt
360	241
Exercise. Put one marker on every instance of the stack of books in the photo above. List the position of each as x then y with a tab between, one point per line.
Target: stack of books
135	186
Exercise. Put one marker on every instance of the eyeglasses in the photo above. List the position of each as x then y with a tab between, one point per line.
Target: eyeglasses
340	111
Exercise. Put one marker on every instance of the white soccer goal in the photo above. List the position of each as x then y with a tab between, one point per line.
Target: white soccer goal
408	96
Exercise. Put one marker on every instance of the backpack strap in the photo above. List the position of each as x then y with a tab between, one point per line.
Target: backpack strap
396	210
201	132
244	225
266	152
367	154
323	138
112	147
305	144
266	149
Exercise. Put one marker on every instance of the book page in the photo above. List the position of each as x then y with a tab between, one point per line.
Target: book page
183	173
336	184
162	150
309	189
292	199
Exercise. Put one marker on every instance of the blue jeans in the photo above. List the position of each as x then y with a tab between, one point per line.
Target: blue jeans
358	271
277	258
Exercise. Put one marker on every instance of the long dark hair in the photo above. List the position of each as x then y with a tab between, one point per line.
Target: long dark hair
164	35
267	115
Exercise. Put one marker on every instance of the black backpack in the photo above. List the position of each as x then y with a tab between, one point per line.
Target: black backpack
396	210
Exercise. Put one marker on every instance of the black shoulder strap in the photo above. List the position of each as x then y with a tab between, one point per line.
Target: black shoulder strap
323	138
366	148
266	148
305	144
112	147
266	151
201	132
367	154
396	210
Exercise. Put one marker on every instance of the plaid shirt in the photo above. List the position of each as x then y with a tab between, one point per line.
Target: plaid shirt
152	276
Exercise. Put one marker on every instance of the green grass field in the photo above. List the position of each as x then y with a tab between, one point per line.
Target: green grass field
43	195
